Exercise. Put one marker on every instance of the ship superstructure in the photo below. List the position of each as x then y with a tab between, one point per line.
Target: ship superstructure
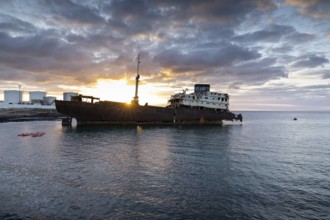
202	98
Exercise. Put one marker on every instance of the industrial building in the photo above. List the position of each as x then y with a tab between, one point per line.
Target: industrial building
36	97
48	100
13	96
67	95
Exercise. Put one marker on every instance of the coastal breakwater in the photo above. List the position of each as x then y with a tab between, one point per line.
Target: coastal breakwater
28	114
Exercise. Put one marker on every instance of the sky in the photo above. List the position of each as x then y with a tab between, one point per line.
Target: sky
266	54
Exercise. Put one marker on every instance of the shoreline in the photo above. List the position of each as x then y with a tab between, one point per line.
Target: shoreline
28	114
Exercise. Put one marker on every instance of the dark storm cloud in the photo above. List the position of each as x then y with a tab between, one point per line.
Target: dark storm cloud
198	60
311	61
8	74
272	33
94	41
320	73
27	45
131	17
13	25
299	38
326	74
317	87
141	16
256	72
275	33
20	50
217	11
282	49
43	57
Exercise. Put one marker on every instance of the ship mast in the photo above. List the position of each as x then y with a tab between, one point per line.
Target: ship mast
136	97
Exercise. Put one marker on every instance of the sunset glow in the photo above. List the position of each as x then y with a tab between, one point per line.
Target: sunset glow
121	91
266	54
115	90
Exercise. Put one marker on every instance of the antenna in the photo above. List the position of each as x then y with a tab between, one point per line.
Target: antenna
136	97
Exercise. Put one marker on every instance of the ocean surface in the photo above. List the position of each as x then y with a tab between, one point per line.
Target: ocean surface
268	167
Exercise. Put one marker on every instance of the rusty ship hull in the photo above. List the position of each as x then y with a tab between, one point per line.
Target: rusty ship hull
108	112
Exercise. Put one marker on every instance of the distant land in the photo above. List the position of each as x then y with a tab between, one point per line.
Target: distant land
28	114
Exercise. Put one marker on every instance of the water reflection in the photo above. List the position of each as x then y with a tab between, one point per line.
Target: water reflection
185	171
155	167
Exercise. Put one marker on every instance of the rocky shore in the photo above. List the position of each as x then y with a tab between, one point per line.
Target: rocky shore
28	114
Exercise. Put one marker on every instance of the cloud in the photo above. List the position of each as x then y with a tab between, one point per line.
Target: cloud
284	49
67	11
46	56
197	60
14	26
315	9
275	33
272	33
253	73
234	44
78	38
37	53
326	75
311	61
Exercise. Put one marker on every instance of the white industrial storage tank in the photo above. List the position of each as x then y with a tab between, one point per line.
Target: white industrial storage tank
13	96
37	96
67	95
48	100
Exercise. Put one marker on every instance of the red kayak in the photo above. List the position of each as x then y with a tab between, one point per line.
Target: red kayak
24	134
37	134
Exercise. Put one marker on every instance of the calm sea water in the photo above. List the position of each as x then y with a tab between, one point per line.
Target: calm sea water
268	167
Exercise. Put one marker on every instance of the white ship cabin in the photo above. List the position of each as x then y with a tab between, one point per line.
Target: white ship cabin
202	98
